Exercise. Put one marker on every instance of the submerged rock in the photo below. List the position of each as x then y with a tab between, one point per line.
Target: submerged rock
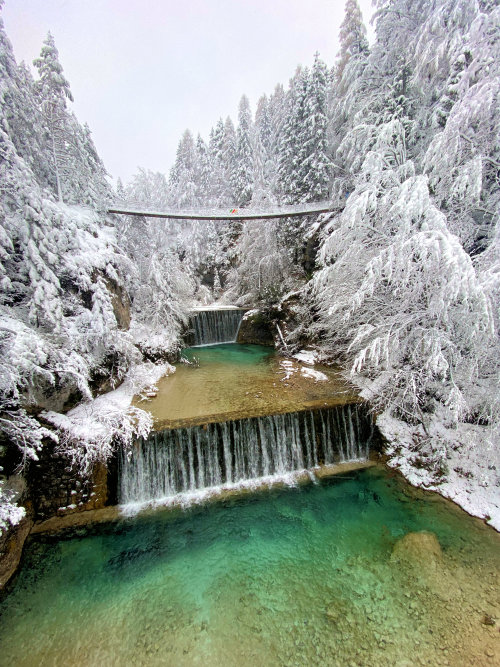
487	620
418	549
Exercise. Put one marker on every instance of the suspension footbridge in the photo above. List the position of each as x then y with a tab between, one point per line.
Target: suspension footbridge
253	213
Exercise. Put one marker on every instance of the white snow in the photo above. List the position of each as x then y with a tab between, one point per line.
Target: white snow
10	513
306	357
318	376
469	457
291	367
94	424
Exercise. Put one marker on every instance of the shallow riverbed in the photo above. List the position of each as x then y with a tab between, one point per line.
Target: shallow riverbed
300	576
233	381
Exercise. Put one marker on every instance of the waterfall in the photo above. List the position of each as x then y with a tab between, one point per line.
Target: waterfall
229	453
215	326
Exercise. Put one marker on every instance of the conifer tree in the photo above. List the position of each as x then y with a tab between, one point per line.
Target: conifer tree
219	187
203	172
265	157
244	157
263	123
53	90
183	174
315	167
120	190
229	158
291	148
352	37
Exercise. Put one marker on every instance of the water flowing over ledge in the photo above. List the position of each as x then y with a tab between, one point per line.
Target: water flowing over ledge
212	327
242	453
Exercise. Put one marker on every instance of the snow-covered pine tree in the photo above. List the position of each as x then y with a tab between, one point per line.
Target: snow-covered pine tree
263	126
120	190
53	90
203	172
265	158
244	154
345	83
27	129
398	297
182	177
229	159
219	191
261	187
291	150
314	170
95	189
352	38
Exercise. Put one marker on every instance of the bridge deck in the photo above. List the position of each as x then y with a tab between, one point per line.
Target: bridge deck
228	214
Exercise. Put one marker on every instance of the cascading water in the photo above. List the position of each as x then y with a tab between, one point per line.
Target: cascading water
231	453
215	326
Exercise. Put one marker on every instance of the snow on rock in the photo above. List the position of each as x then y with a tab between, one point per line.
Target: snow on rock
291	367
10	513
94	425
151	341
306	357
318	376
250	313
461	464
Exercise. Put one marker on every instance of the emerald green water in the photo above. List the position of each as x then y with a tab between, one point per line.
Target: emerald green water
299	576
230	353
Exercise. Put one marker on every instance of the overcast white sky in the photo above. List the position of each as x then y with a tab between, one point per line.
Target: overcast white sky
142	71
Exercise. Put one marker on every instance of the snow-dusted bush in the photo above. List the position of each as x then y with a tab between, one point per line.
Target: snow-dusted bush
10	512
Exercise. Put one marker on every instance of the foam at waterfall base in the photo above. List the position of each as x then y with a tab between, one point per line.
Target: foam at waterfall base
200	461
188	499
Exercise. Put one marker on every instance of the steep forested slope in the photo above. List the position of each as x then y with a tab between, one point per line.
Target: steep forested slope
406	295
66	272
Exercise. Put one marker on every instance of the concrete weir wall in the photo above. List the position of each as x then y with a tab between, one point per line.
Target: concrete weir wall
214	455
213	326
176	460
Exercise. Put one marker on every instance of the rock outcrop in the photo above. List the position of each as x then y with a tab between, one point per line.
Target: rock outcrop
11	549
255	329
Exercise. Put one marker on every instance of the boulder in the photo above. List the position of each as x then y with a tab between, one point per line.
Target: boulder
60	396
420	549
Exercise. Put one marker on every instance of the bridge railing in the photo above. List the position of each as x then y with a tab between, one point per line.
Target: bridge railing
130	207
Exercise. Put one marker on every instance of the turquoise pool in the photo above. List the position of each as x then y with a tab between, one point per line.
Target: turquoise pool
296	576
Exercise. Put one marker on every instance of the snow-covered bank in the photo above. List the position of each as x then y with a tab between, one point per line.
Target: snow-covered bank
461	464
88	431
